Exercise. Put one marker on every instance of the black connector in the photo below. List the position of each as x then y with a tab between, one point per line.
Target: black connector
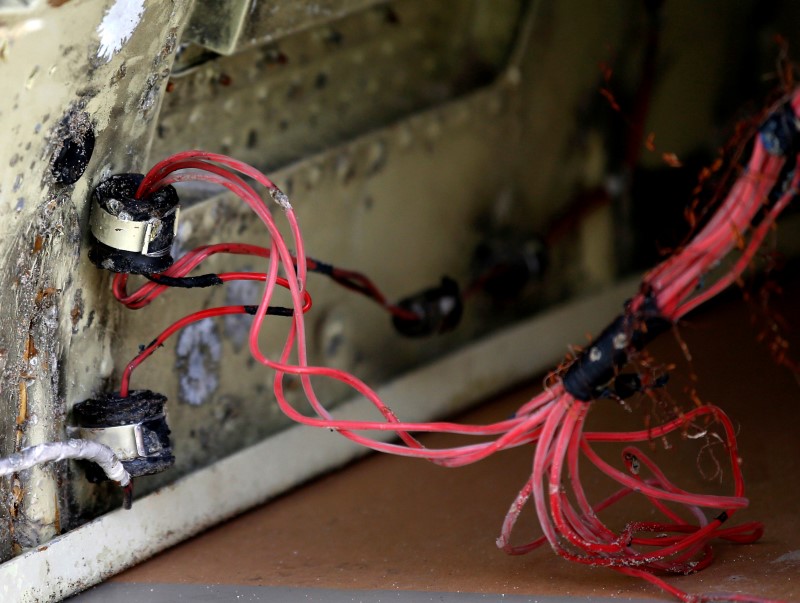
132	235
438	309
134	427
503	266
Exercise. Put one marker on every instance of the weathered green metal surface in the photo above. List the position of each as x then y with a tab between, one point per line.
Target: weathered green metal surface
403	132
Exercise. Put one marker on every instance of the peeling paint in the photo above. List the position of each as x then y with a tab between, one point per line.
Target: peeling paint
198	354
117	27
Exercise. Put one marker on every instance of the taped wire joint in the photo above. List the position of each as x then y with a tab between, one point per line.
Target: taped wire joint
596	366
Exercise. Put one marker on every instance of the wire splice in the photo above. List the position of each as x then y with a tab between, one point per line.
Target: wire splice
281	198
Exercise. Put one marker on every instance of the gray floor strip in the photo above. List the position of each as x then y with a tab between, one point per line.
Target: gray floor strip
115	592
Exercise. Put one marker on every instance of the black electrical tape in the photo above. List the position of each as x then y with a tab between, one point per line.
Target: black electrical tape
186	282
779	133
722	517
271	311
597	364
626	385
107	410
780	136
322	267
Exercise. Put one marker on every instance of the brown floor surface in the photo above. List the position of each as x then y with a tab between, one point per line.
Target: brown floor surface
394	523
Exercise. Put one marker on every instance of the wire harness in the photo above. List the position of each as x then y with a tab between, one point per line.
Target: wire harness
553	422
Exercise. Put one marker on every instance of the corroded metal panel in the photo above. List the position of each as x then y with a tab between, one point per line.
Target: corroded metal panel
66	67
307	91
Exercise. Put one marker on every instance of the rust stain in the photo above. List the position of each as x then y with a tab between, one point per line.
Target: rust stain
57	518
22	415
16	498
38	243
30	350
57	3
76	314
45	293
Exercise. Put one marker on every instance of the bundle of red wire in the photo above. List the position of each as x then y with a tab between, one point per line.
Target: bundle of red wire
554	420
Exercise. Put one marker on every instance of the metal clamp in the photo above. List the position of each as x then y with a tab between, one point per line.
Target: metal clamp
128	442
126	235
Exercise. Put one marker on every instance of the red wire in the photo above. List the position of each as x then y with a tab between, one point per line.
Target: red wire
196	316
366	287
146	293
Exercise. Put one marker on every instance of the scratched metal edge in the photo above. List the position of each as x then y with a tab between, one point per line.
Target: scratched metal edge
85	556
212	593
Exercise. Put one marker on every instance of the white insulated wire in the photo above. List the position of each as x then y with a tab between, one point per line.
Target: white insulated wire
71	449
